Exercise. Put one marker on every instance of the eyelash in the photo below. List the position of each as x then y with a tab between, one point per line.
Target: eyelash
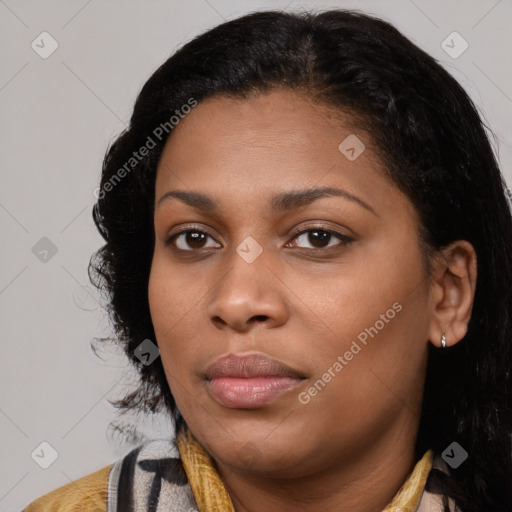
343	239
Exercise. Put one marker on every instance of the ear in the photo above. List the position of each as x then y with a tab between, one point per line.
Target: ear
452	293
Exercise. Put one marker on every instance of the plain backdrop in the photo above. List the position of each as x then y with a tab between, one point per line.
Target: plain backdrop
58	114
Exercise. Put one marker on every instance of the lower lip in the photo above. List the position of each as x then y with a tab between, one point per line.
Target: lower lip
249	393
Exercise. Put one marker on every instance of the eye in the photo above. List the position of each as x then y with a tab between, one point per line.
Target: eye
320	238
190	239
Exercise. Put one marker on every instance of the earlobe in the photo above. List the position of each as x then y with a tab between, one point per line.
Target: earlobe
454	284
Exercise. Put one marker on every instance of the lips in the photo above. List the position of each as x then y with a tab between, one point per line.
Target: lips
249	366
249	381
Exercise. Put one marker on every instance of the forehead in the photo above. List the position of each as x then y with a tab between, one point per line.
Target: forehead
269	142
281	121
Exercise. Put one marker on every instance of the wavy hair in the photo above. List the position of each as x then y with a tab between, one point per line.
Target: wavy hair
434	145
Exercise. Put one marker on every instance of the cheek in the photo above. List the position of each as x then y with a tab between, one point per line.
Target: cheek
174	292
374	315
172	302
343	305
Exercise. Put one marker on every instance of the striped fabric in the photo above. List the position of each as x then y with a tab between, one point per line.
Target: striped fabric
151	478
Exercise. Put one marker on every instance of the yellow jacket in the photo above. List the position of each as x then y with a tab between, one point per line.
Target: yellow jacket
85	494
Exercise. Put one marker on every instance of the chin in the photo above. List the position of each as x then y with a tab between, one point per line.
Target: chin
246	452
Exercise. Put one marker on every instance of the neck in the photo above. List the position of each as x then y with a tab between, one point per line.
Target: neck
366	483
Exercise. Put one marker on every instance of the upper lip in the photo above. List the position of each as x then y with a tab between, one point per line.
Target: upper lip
249	366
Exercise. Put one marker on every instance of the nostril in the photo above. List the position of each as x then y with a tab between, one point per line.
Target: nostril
260	318
218	320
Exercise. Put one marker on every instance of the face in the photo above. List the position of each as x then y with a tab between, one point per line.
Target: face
287	289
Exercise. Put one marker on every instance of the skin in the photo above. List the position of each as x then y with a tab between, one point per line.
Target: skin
352	445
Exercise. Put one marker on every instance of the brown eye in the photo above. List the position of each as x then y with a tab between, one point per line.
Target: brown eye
321	238
190	240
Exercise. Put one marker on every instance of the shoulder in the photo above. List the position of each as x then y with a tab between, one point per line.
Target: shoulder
87	493
151	473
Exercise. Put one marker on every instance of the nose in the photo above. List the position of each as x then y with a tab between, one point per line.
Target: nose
247	296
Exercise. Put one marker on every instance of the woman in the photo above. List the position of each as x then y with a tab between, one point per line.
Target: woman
321	252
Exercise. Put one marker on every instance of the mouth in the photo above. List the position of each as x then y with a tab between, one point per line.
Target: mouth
249	381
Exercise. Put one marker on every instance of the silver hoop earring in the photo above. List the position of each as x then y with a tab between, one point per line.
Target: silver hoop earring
443	341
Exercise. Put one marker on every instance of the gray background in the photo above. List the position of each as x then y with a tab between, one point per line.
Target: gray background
58	115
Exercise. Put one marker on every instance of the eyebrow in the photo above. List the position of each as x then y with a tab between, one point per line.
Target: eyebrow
279	203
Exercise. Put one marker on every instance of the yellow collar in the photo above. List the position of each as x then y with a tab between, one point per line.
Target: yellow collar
211	495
